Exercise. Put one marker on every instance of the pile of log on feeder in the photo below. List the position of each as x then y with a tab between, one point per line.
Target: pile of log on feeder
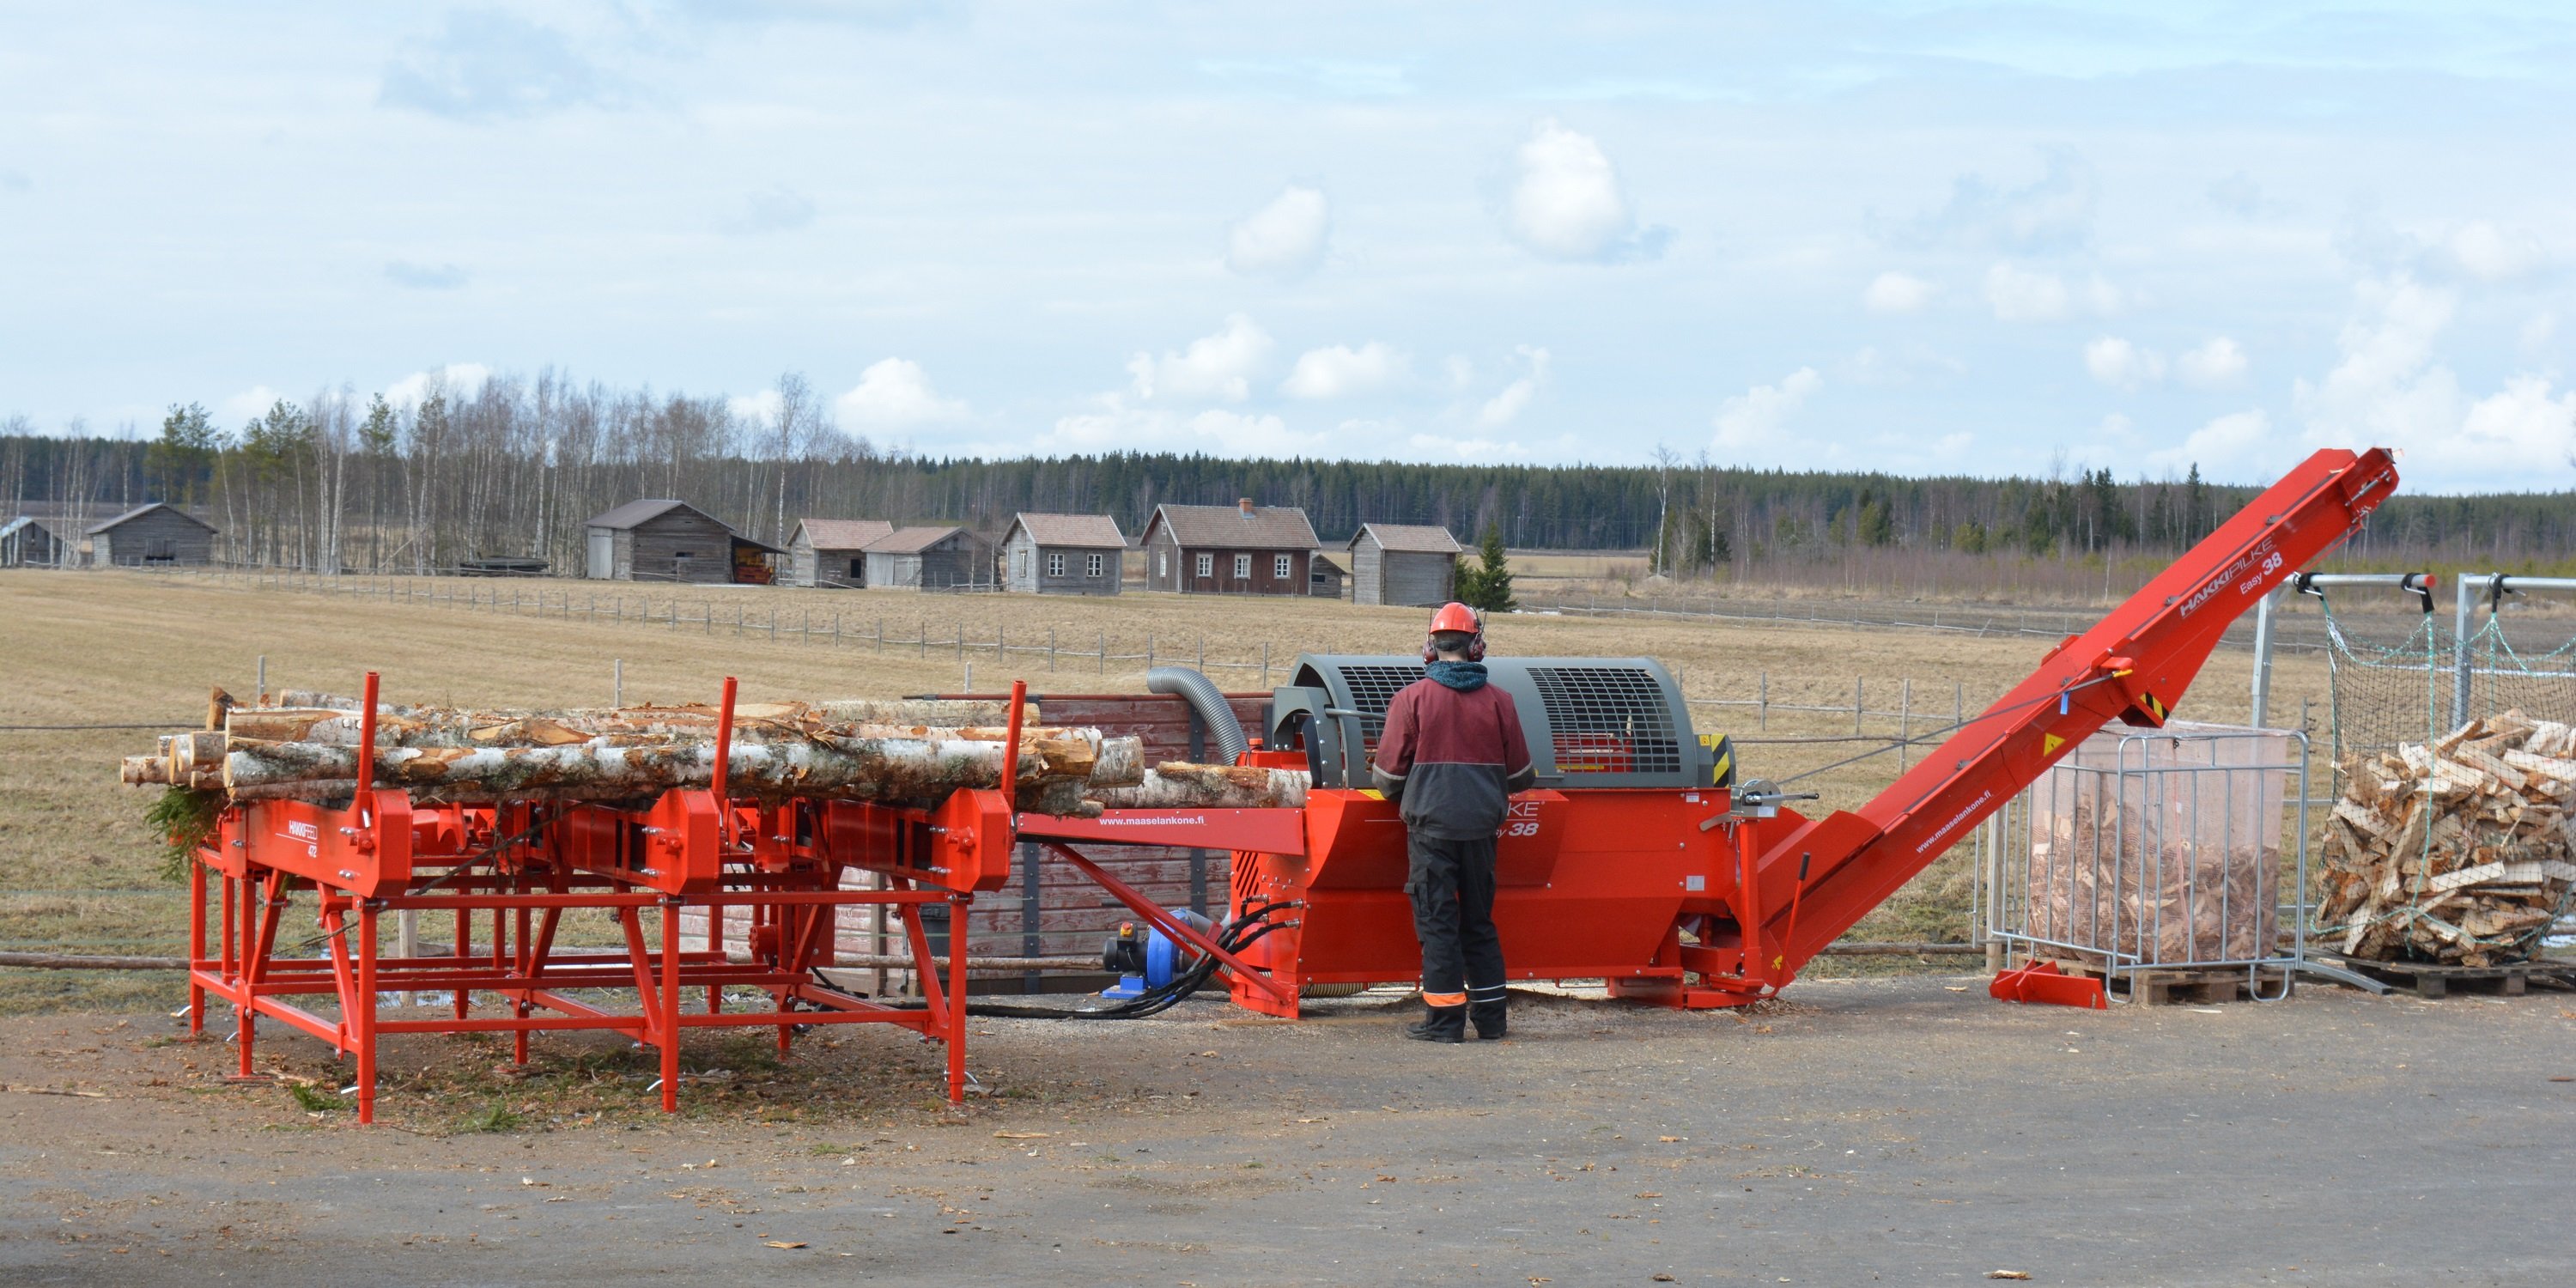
2456	851
898	752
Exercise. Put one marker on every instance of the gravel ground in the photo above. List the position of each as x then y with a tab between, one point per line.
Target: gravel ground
1908	1130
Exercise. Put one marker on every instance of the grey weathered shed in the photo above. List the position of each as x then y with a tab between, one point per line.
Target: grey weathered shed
1399	563
1062	554
155	535
832	552
30	541
1239	549
934	557
1326	577
661	541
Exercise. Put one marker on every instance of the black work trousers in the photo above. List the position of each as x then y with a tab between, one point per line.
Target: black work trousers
1452	885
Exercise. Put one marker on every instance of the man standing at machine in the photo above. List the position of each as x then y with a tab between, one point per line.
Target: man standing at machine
1450	757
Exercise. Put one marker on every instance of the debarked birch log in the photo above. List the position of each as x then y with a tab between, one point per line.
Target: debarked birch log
1180	785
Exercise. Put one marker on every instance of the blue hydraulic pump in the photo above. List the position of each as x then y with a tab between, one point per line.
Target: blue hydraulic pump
1146	959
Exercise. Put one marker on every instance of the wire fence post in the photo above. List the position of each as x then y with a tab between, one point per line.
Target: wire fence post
617	681
1856	692
1904	722
1762	701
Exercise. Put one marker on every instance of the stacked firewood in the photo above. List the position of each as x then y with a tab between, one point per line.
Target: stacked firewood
2457	851
906	752
2115	877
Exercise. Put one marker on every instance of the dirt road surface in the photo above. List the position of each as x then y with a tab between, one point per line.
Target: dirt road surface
1905	1130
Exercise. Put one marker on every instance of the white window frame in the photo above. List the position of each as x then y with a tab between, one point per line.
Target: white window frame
1055	563
1162	563
1243	567
1283	567
1207	564
1092	564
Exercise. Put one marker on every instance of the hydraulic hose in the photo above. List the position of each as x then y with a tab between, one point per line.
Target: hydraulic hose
1213	710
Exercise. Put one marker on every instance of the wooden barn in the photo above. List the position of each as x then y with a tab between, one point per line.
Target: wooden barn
1063	554
151	536
1239	549
1398	563
935	557
1326	578
674	541
29	541
832	552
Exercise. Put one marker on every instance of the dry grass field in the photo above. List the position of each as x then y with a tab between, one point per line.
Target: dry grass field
77	867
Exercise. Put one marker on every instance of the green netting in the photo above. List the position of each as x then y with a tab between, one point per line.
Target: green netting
2387	693
2541	685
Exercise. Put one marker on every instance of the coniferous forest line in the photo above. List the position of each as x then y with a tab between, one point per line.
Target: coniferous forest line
513	467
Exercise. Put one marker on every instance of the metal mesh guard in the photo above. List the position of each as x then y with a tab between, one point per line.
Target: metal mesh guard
1372	687
1608	720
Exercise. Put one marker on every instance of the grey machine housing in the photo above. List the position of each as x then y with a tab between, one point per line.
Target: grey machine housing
1590	721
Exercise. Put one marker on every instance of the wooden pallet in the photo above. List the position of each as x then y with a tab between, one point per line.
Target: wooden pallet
2162	987
2433	980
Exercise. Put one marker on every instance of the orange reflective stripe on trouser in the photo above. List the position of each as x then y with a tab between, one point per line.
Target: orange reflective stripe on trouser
1445	999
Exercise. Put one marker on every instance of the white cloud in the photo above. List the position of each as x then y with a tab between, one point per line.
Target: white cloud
1341	371
1244	434
2536	335
1894	292
1282	239
2218	363
2238	445
894	393
2023	295
2053	212
2492	254
758	409
1505	407
2388	390
1112	423
2020	294
1468	448
2122	365
492	66
250	404
1566	203
456	378
1753	420
1219	366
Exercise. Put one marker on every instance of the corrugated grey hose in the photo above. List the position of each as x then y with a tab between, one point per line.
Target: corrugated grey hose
1213	710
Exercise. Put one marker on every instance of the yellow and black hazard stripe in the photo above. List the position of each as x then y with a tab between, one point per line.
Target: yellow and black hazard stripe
1722	755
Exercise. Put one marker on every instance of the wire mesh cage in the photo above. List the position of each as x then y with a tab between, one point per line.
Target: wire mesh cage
2159	850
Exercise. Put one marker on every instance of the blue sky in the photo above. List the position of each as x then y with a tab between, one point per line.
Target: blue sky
1918	237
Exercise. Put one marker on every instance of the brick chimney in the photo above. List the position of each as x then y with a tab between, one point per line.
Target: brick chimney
1244	504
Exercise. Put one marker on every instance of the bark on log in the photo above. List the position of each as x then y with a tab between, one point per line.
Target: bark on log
1181	785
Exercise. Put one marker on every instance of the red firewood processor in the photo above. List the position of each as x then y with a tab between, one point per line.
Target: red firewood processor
1637	857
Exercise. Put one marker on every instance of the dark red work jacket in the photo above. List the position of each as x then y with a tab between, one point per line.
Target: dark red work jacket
1452	758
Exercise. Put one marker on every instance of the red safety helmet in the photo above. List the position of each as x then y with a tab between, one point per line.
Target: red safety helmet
1456	617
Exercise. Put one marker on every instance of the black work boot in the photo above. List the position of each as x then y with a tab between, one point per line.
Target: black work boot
1439	1024
1492	1019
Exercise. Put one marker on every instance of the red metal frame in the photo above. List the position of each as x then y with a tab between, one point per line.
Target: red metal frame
528	863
